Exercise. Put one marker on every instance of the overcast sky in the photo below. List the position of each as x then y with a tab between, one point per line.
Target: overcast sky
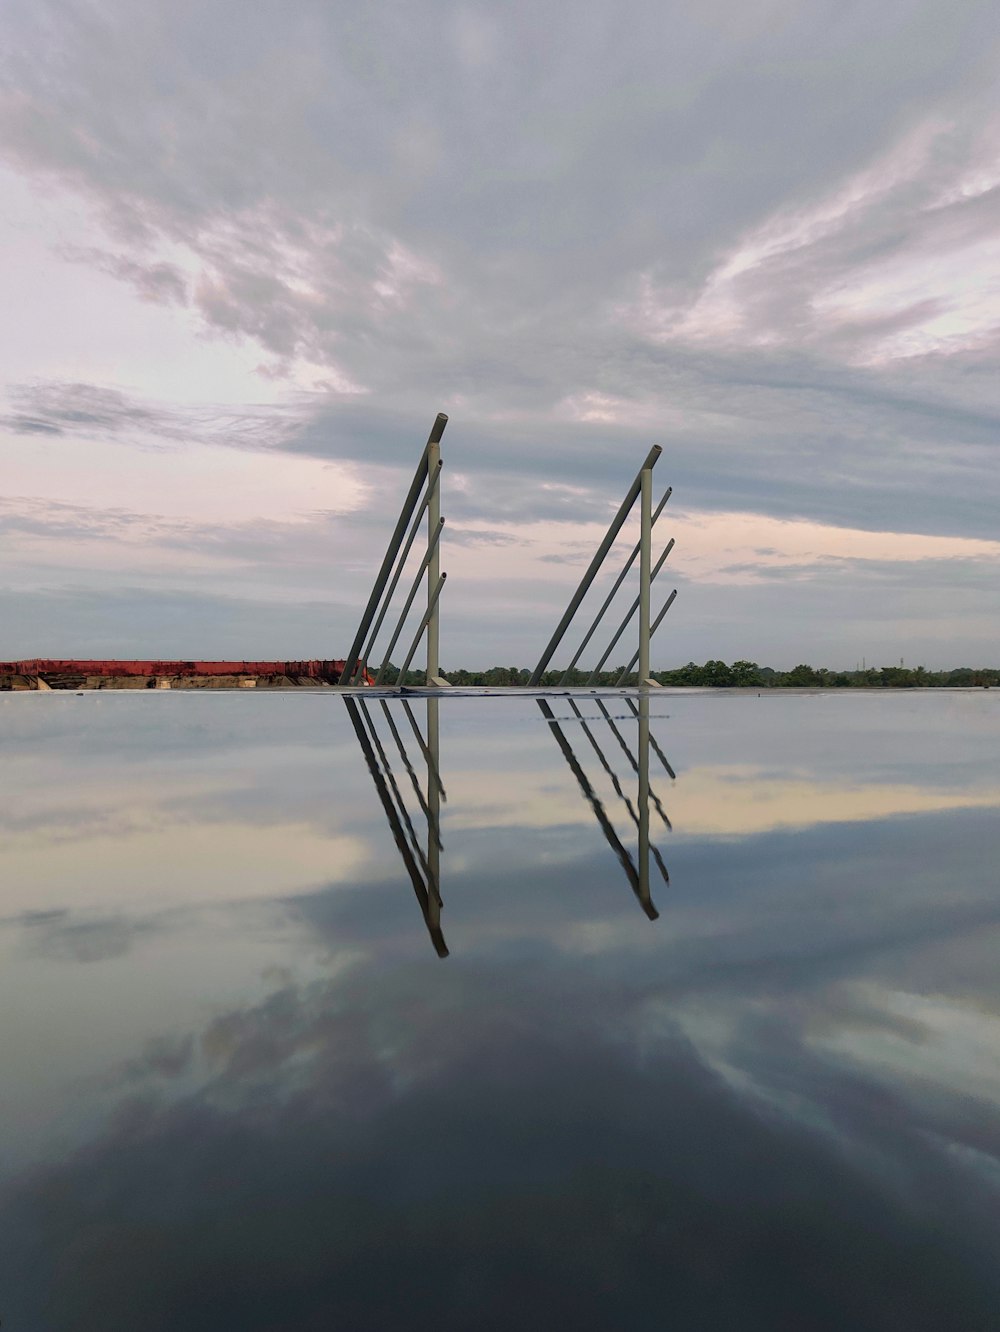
250	251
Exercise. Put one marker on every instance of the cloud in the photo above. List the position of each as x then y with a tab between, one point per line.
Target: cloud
310	201
600	230
87	409
162	283
93	412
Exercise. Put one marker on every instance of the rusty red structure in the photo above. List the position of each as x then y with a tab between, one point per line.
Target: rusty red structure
58	672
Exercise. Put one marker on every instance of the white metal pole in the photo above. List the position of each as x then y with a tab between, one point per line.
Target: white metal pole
645	565
434	568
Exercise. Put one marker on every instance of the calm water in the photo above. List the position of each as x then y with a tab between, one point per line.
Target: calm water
757	1087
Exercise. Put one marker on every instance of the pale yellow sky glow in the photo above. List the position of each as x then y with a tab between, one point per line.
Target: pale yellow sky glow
202	482
204	512
725	548
711	800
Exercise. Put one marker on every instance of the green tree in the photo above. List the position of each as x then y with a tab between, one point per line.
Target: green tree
803	677
896	677
745	673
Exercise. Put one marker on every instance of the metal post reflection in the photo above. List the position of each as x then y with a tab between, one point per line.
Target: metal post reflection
423	866
636	873
422	856
644	895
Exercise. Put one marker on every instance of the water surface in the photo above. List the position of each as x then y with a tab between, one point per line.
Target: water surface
286	1047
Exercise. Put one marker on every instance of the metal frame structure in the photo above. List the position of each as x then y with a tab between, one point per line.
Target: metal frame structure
423	497
641	489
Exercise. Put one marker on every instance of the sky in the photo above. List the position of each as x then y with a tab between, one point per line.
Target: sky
249	252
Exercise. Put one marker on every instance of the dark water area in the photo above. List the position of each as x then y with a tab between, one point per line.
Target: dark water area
368	1016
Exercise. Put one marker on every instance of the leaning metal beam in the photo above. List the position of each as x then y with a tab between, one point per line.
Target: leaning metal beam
653	628
433	572
435	476
422	626
628	617
645	540
395	541
595	564
611	595
425	561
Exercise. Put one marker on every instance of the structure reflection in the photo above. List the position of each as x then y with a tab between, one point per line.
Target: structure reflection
636	873
421	850
422	858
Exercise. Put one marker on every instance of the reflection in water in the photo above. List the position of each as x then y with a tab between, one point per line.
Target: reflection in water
781	1113
638	876
422	855
423	862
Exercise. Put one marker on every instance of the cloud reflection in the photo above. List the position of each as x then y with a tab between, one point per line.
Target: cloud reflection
516	1147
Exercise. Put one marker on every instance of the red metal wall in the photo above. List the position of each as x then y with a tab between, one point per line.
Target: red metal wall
313	670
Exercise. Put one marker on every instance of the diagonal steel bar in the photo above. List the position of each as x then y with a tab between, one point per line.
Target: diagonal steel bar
434	597
611	595
628	617
425	561
656	624
435	477
616	526
395	541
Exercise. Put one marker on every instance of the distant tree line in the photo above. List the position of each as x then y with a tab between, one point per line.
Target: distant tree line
748	674
742	674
